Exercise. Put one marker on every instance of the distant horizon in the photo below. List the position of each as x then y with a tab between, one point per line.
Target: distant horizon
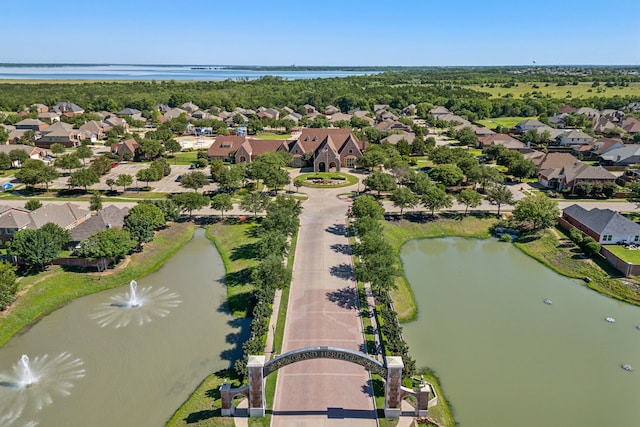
536	65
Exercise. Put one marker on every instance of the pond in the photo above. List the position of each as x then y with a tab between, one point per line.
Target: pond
504	356
103	360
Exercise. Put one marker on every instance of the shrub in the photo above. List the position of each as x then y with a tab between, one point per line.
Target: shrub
505	237
576	236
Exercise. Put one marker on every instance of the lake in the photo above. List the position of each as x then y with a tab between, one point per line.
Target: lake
505	358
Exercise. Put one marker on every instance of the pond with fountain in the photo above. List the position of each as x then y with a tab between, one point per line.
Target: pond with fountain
514	343
126	356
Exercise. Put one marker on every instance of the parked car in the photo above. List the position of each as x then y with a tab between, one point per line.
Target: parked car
179	178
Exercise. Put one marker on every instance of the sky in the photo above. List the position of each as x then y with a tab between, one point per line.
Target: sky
330	33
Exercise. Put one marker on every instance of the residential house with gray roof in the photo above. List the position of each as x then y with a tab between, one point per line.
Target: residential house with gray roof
67	108
606	226
109	217
58	133
625	156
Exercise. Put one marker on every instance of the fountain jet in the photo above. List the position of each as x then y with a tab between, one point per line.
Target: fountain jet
27	379
133	297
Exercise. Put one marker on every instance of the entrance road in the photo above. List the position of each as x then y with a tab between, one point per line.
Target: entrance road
323	311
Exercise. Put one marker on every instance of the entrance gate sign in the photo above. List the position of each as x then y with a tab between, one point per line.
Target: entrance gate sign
325	352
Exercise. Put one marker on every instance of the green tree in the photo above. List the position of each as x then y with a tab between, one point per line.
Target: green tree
150	211
194	180
68	162
57	149
83	178
500	195
467	136
447	174
634	193
101	165
61	236
418	147
33	204
231	177
172	146
539	210
367	206
8	283
469	198
380	181
147	175
168	207
109	243
435	199
222	202
35	172
151	148
162	167
372	158
271	272
18	156
404	198
5	161
522	169
36	248
84	152
272	242
110	182
189	202
95	203
254	202
124	180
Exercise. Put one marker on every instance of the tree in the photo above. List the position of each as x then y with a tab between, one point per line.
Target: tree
8	284
231	177
68	162
582	189
57	148
110	182
469	198
168	207
222	202
151	148
101	165
254	202
467	136
109	243
404	198
140	227
35	172
60	235
83	178
189	202
435	198
35	247
162	167
95	204
367	206
271	272
150	211
276	179
484	175
194	180
522	169
147	175
32	205
418	147
500	195
5	161
539	210
447	174
380	181
421	182
272	242
124	180
172	146
18	155
372	158
84	152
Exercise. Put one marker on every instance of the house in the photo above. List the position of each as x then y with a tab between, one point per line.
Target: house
529	124
309	110
131	113
597	147
224	147
199	115
252	148
575	137
606	226
566	109
566	177
174	113
397	137
393	125
295	117
67	108
482	131
12	220
113	121
94	127
126	150
31	124
500	139
268	113
330	148
110	216
49	117
625	156
39	108
58	133
630	125
330	109
340	117
438	111
551	160
34	153
190	107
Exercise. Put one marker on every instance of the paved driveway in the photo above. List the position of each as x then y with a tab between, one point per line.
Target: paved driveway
322	311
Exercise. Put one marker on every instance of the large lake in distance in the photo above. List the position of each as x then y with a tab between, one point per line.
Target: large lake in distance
161	72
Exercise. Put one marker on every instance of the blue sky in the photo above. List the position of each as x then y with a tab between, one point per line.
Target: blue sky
301	32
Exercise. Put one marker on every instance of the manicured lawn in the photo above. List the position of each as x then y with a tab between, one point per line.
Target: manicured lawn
55	287
183	158
579	91
399	232
506	122
270	135
236	241
629	255
346	181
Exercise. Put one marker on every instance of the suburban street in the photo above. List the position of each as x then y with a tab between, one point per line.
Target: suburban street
323	311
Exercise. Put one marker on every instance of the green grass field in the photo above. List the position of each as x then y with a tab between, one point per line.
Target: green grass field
184	158
582	90
506	122
632	256
269	135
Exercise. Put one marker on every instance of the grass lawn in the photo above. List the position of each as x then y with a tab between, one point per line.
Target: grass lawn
183	158
270	135
628	255
53	288
399	232
506	122
236	242
582	90
347	179
564	257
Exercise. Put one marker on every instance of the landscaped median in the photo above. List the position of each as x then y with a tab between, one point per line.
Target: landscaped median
42	293
326	180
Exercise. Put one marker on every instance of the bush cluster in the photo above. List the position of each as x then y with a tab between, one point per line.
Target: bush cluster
587	244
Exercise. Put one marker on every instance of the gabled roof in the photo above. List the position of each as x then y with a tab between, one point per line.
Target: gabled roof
67	107
603	221
224	145
553	160
58	128
128	112
256	147
577	134
531	123
14	218
30	122
110	216
620	154
582	171
63	215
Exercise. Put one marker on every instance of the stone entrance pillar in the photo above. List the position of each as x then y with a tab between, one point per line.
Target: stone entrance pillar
392	402
255	366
